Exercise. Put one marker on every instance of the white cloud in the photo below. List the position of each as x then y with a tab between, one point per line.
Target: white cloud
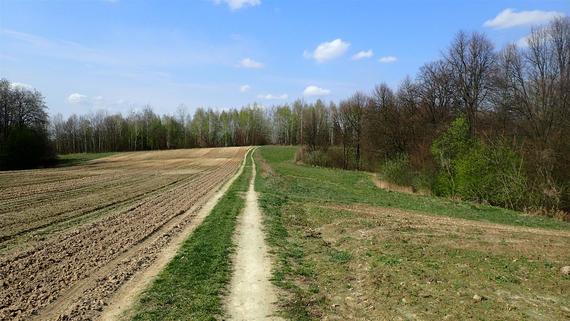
523	42
328	50
244	88
508	18
238	4
315	91
273	97
77	99
250	63
388	59
363	54
100	102
20	85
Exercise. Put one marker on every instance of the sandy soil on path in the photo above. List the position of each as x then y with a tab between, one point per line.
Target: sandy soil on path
252	296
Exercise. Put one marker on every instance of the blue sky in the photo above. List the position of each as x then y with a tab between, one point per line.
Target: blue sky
119	55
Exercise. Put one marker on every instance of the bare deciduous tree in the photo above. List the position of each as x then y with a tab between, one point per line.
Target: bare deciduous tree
472	61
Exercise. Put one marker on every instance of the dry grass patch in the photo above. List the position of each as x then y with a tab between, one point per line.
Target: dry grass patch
371	263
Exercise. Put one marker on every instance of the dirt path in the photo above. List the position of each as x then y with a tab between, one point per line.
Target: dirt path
252	296
395	187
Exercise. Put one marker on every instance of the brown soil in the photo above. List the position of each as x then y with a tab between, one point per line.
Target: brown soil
123	300
130	207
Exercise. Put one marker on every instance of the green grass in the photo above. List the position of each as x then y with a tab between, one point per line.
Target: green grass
191	285
290	256
304	183
326	258
79	158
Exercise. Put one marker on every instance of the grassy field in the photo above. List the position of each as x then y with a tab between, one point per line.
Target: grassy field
323	185
346	249
191	285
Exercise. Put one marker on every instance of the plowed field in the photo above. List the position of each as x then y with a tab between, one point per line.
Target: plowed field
70	237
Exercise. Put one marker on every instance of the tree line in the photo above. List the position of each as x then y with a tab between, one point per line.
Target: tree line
481	123
145	130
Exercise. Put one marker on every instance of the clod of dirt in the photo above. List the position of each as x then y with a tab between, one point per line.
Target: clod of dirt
478	298
312	233
565	270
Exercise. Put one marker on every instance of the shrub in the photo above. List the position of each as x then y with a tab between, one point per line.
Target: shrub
446	150
492	174
317	158
398	170
454	142
331	157
423	181
565	196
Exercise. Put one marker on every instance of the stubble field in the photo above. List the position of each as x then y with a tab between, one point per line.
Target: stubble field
70	237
